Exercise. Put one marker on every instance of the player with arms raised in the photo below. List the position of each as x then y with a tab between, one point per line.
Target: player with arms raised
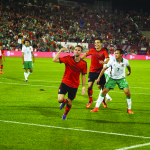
117	77
74	65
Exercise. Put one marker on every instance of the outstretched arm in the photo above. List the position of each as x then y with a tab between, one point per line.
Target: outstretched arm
104	62
129	69
83	83
83	56
56	57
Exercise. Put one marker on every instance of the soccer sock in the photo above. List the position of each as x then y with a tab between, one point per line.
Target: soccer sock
100	91
90	92
1	67
100	96
67	109
64	101
107	96
25	75
29	73
100	99
128	102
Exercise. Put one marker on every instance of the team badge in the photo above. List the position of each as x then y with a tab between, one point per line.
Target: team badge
122	65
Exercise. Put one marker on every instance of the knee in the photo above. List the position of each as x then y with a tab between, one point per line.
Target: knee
69	102
90	88
127	93
60	100
99	86
105	91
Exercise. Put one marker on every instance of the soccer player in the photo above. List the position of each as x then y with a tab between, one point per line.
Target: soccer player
98	54
117	77
74	65
1	56
107	74
27	54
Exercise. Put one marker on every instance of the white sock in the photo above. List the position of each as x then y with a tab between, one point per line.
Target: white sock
107	96
99	101
129	103
28	73
25	75
100	92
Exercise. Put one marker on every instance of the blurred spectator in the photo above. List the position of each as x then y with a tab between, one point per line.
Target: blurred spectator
43	26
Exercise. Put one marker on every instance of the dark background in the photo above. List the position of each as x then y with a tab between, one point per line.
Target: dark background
123	4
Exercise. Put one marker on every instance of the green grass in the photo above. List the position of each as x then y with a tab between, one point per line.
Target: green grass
29	108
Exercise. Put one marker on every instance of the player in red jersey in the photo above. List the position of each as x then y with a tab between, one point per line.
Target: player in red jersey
74	65
98	54
1	62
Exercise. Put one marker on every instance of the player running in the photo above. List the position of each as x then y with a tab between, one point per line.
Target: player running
117	77
98	54
27	54
74	65
1	61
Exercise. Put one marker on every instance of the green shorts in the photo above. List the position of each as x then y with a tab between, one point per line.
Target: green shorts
28	65
106	76
111	83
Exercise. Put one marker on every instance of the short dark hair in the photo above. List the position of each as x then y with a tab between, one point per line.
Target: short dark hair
120	50
27	40
99	39
80	47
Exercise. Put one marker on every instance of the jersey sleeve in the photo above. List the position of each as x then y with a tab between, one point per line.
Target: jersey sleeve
106	54
31	49
84	71
109	64
64	59
23	49
89	52
127	63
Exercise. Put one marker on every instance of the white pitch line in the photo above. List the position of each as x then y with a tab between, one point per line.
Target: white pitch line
60	82
27	84
134	146
73	129
57	87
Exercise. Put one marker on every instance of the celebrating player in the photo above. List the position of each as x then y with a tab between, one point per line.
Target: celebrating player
27	50
74	65
117	77
1	56
98	54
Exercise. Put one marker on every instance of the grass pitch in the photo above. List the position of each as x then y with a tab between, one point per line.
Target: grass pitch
30	118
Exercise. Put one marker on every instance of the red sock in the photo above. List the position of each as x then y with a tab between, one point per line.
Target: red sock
67	109
1	67
64	100
90	92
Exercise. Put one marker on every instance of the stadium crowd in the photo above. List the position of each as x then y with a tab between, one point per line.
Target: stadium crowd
48	26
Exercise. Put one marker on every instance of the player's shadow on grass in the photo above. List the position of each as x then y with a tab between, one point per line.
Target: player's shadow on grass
45	111
15	79
106	121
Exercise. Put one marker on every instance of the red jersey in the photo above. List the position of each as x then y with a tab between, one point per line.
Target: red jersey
1	53
97	56
73	70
